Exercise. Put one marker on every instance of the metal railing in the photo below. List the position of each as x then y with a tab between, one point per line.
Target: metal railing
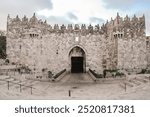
19	84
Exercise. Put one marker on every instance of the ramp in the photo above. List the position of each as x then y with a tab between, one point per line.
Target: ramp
77	78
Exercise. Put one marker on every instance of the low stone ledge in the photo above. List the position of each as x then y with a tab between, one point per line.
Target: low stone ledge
60	77
41	80
106	80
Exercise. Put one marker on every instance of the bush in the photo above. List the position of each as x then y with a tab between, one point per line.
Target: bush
13	63
99	75
119	74
114	72
143	71
3	54
44	69
110	70
7	61
148	71
50	74
24	69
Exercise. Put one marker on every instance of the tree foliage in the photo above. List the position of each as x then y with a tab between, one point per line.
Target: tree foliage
3	47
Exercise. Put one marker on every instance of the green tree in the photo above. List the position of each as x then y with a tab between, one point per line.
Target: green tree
3	47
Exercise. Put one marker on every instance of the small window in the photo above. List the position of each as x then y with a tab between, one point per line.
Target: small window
121	35
57	52
118	35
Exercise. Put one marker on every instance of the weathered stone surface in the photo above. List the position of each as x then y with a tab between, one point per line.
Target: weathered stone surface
118	44
132	53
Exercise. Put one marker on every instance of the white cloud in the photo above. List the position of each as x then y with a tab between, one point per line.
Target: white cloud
21	8
82	9
119	4
74	11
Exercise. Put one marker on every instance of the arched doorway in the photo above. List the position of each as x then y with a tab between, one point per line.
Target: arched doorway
77	60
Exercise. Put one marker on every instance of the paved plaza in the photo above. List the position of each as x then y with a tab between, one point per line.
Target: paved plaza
71	86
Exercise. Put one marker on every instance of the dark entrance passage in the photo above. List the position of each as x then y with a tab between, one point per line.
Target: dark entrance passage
76	64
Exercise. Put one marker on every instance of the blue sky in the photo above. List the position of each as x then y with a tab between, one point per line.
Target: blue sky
74	11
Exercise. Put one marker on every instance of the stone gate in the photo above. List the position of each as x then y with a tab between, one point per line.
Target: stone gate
117	44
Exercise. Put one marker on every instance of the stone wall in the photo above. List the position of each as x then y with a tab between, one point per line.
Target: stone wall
148	51
132	53
52	51
118	44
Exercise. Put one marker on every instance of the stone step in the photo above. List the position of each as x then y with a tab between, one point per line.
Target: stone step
134	81
143	80
65	78
126	85
148	78
129	84
122	85
76	78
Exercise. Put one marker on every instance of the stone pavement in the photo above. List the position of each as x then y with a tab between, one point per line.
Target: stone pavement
80	85
77	78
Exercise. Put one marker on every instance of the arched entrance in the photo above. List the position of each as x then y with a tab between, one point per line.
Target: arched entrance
77	60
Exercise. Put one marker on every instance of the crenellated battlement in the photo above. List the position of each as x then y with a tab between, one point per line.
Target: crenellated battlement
126	27
118	27
120	43
33	23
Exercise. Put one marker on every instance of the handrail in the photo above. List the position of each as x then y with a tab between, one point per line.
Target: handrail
92	75
19	84
59	75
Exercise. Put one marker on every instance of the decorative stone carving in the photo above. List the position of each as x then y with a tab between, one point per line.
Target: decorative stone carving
70	28
90	29
63	28
56	28
76	27
25	19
